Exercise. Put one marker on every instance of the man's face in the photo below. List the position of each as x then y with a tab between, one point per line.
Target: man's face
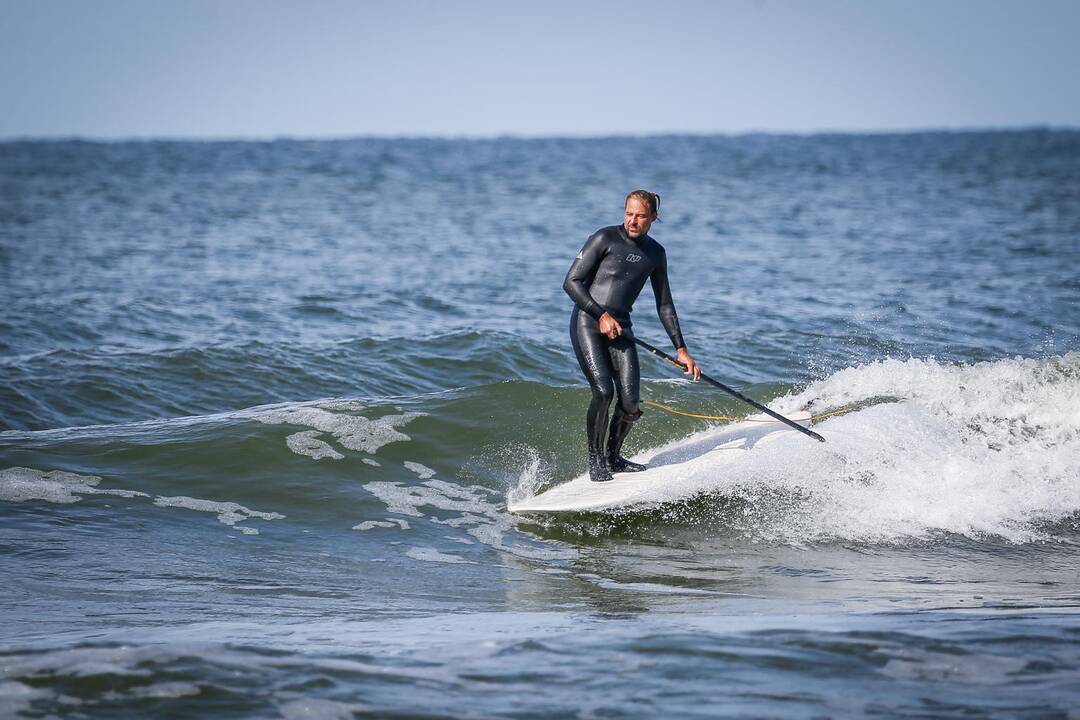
639	218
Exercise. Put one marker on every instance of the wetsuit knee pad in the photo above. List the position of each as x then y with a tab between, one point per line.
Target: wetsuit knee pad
630	416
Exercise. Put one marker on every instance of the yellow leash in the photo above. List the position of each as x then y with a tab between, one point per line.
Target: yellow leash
668	408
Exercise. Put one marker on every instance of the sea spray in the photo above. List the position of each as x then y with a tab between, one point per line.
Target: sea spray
928	449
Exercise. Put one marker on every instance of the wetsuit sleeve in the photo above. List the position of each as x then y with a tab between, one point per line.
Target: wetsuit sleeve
665	306
581	273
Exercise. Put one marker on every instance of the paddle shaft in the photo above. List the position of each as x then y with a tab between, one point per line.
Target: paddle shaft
731	391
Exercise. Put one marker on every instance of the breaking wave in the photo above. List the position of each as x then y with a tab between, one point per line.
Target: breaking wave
927	449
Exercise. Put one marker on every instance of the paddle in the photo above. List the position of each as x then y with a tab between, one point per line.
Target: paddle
731	391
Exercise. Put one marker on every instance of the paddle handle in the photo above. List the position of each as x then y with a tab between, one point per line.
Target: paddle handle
731	391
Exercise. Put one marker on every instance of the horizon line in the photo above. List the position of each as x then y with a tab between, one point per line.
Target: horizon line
481	137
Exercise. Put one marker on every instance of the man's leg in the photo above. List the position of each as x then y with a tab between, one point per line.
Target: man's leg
590	348
627	379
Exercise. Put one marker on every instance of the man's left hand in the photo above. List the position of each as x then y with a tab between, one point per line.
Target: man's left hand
691	366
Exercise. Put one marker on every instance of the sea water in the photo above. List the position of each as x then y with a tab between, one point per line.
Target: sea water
263	403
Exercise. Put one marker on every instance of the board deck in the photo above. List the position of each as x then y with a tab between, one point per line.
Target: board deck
668	467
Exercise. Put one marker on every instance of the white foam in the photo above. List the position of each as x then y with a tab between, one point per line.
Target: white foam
123	661
19	484
430	554
62	665
387	523
315	709
354	432
975	669
989	449
167	690
423	471
228	513
373	463
473	507
398	498
307	443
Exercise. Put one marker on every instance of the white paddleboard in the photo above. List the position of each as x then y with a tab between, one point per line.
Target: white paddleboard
669	466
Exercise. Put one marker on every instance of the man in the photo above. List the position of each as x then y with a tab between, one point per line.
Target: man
604	281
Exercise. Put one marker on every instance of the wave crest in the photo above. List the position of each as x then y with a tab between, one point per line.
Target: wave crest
989	449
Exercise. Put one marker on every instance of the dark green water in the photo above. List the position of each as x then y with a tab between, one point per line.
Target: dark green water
262	406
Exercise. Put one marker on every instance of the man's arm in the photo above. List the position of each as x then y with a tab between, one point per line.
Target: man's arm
665	308
581	273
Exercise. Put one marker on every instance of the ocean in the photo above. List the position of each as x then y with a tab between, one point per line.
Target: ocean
263	404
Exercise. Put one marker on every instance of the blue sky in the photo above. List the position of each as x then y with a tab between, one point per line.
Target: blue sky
331	68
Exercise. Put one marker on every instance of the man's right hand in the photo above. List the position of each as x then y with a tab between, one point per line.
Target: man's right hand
609	326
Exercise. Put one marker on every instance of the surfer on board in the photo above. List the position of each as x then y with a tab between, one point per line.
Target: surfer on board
604	281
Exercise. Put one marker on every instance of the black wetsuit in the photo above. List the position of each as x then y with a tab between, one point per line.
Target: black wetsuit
608	275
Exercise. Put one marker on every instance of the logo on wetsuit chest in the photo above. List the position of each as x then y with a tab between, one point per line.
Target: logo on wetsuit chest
634	258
